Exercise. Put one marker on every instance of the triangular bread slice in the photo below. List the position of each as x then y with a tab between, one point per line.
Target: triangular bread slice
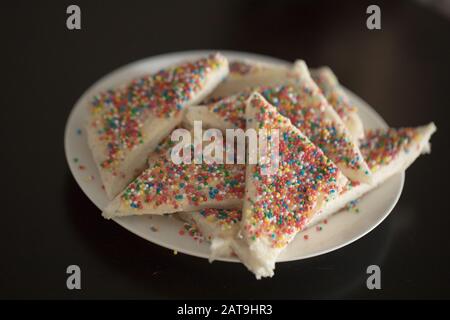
338	98
248	73
307	109
127	123
276	206
387	151
167	187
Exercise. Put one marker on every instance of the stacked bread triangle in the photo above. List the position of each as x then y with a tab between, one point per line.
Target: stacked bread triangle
325	158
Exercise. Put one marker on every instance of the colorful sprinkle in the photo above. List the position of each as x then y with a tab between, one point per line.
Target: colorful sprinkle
335	95
119	115
379	147
192	230
223	218
351	206
285	200
231	109
309	111
166	183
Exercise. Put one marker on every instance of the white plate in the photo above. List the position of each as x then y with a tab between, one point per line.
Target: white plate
340	229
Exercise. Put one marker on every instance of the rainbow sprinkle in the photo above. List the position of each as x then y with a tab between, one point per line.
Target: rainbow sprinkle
231	109
306	109
352	206
329	85
166	183
284	201
379	147
193	231
224	218
120	114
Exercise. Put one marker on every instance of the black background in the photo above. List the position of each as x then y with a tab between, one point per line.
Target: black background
47	223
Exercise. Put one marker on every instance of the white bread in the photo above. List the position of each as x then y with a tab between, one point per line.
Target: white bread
218	226
276	206
166	187
337	97
415	142
127	123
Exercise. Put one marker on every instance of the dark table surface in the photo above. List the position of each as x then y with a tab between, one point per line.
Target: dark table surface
48	223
